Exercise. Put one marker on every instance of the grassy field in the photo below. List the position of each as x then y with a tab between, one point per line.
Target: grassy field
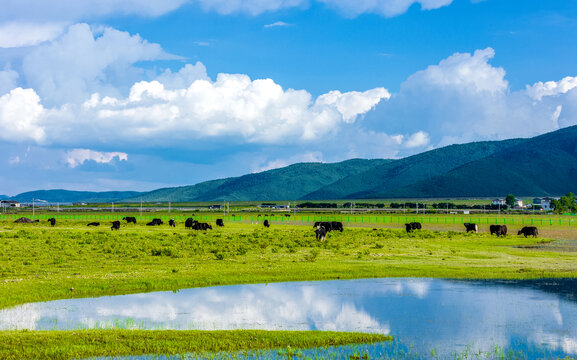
40	263
71	260
87	343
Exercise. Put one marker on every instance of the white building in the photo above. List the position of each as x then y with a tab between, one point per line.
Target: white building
544	203
498	202
10	203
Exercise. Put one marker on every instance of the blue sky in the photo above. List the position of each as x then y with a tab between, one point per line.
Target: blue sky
142	94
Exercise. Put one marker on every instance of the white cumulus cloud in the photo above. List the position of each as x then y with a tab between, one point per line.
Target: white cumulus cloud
551	88
20	116
418	139
253	111
464	98
78	157
84	61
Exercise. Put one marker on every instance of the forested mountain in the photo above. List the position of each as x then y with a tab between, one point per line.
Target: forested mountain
409	170
539	166
543	165
288	183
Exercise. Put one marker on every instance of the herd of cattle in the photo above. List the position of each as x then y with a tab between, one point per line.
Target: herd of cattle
322	228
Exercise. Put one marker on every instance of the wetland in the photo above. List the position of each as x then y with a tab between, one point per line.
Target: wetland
71	261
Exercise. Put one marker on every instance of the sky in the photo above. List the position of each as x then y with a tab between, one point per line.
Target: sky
141	94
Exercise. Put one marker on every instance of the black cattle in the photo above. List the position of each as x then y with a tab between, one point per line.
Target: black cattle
129	219
471	227
52	221
115	225
326	224
219	222
154	222
321	233
93	224
188	223
171	223
337	225
529	231
266	223
201	226
413	226
498	230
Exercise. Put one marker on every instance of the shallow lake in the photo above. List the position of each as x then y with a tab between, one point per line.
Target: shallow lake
426	315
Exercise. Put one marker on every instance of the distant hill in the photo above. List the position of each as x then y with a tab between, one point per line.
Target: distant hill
4	197
67	196
288	183
393	175
540	166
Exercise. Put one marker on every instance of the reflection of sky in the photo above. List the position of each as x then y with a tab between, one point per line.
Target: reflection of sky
428	313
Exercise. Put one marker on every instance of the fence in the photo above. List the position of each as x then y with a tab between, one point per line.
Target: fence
310	219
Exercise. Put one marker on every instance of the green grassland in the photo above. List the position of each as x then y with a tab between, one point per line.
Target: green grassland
40	263
86	343
71	260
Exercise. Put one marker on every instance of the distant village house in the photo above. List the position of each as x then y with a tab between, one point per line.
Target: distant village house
544	203
10	203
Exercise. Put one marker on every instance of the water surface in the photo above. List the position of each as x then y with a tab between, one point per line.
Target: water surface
424	314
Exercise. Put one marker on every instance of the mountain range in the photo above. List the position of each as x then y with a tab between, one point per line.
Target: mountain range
545	165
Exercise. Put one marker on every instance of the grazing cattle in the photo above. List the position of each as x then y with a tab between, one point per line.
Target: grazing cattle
171	223
129	219
413	226
188	223
195	225
471	227
529	231
337	225
52	221
115	225
152	223
201	226
266	223
321	233
326	224
157	221
205	226
498	230
93	224
219	222
23	220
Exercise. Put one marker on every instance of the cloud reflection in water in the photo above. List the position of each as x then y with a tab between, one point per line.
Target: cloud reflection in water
430	313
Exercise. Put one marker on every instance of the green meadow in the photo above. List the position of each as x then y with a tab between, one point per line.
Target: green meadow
71	260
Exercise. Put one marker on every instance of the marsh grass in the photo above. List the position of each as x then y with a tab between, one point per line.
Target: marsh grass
90	343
